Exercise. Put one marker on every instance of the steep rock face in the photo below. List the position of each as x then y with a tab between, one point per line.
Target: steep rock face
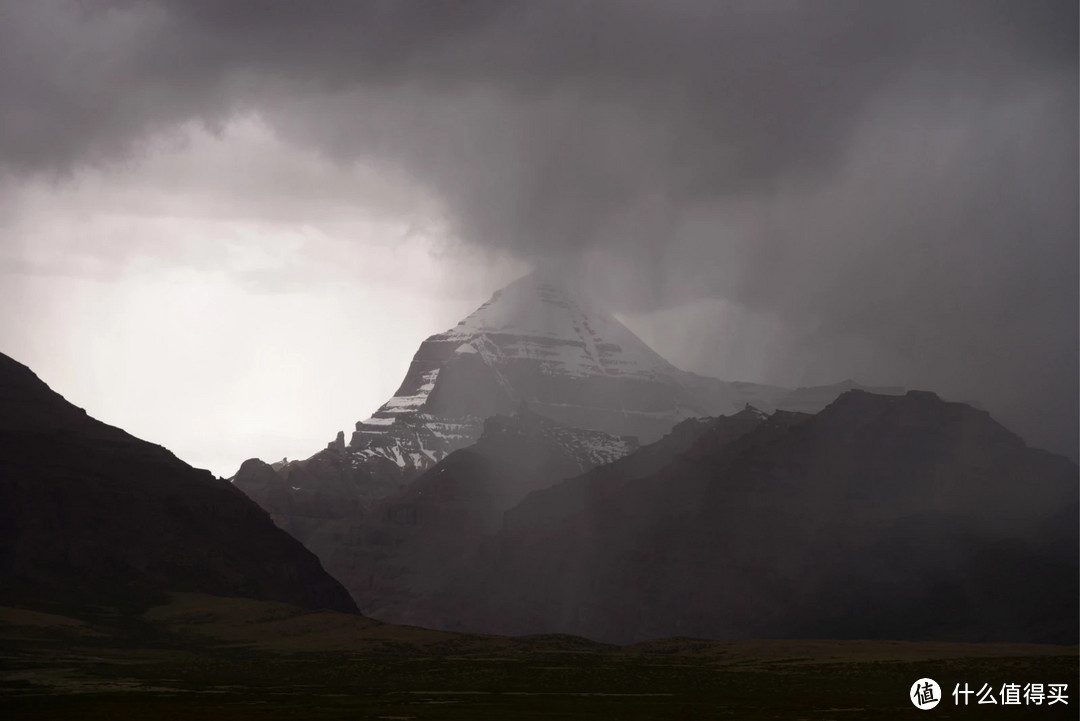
90	513
398	548
887	517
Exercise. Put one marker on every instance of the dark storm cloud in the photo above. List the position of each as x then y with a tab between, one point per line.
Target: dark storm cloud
734	93
900	173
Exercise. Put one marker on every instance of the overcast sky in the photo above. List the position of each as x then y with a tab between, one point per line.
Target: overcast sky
226	226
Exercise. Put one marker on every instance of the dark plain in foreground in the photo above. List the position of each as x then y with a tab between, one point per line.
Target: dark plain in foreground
209	657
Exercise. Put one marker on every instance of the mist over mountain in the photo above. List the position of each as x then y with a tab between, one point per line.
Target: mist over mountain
538	342
899	517
537	349
747	510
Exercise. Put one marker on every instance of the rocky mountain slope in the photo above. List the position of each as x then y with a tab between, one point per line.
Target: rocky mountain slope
879	517
390	552
91	514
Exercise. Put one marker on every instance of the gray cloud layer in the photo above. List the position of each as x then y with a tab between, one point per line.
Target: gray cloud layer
901	174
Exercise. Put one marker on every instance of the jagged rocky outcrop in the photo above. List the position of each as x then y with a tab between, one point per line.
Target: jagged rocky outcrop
881	516
92	515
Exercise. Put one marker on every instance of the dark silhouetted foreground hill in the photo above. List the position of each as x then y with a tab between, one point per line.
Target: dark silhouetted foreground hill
89	513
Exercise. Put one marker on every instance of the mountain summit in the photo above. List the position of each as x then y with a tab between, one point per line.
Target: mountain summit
537	341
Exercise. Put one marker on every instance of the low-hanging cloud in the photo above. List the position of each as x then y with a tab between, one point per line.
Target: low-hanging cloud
899	174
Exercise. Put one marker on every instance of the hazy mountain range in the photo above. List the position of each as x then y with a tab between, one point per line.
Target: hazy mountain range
541	469
879	517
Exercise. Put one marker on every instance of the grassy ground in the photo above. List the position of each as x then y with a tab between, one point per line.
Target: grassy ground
203	657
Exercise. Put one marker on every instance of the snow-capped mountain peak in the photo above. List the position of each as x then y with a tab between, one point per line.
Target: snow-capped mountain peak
546	318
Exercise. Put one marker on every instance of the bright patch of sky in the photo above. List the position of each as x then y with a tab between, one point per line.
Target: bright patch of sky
166	300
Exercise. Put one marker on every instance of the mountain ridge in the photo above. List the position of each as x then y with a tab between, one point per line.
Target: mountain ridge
902	517
87	510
